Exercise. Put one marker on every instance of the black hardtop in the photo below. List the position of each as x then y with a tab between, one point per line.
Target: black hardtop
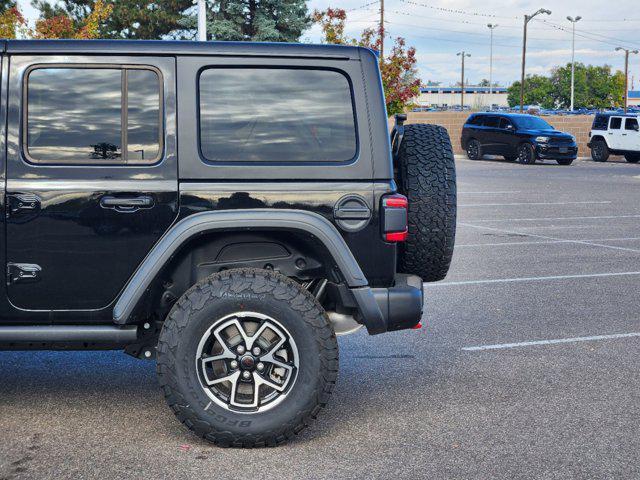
184	47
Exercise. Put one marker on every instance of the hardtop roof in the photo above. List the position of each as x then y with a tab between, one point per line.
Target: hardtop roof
184	47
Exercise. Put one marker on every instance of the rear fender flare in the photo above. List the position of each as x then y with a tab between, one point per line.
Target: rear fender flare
235	220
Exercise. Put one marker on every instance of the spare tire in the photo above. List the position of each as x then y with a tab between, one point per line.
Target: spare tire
426	175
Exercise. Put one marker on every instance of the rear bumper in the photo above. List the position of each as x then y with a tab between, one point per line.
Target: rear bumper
389	309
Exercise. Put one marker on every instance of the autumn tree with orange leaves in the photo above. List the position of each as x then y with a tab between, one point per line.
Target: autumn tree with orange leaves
397	69
13	24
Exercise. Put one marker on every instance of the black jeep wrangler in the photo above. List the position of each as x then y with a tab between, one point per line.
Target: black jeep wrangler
224	208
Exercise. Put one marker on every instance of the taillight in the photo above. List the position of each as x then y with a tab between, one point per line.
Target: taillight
394	218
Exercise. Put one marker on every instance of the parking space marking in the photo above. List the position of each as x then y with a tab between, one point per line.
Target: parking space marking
491	220
532	203
543	242
545	237
531	279
489	193
501	346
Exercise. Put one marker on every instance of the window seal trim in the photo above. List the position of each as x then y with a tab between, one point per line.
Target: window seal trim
213	163
123	67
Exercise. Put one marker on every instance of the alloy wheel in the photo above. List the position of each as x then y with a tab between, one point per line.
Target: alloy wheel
247	362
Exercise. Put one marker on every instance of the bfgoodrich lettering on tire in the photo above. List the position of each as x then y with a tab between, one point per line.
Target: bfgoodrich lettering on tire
247	358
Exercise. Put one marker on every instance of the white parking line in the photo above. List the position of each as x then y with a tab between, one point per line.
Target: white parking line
489	193
545	237
501	346
541	219
531	203
543	242
531	279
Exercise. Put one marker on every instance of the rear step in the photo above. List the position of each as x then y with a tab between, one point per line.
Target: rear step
69	333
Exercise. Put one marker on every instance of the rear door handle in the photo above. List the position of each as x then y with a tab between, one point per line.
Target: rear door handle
126	204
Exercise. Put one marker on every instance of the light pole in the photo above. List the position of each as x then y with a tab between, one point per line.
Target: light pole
462	54
202	20
626	74
573	56
492	27
527	19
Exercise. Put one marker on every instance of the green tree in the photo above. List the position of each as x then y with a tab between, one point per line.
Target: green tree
6	5
130	19
252	20
595	86
538	91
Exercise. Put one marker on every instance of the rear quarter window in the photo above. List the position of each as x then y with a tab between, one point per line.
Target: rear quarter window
276	115
600	122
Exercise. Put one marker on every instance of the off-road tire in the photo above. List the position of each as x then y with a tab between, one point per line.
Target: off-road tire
632	157
564	161
474	149
599	150
250	290
426	175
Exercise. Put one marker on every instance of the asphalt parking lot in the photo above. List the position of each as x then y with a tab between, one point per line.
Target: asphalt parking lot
506	380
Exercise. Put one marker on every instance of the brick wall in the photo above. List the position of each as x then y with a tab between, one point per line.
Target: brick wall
577	125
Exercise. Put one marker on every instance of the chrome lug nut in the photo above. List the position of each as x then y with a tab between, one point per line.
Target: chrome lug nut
246	375
234	364
260	366
256	351
240	349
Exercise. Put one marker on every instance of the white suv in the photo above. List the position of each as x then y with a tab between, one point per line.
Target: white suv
615	134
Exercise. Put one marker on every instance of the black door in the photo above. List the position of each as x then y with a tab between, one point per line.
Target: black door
91	175
490	135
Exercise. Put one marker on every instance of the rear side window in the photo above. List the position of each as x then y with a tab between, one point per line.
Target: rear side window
615	123
631	124
276	115
600	122
475	120
92	116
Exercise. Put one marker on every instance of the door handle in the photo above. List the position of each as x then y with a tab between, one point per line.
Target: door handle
126	204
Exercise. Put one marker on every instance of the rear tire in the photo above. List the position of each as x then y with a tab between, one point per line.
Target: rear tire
474	150
564	161
526	154
632	157
212	397
599	151
426	175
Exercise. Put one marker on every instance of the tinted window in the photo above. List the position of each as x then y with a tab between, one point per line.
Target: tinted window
615	123
276	115
631	124
504	123
493	122
600	122
143	117
75	115
475	120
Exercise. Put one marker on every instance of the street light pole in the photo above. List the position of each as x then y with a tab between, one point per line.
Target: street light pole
491	26
202	20
462	54
626	74
527	19
573	57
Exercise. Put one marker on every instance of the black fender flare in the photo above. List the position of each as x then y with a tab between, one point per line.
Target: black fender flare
229	220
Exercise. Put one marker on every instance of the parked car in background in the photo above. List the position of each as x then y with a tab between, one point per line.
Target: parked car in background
525	138
617	134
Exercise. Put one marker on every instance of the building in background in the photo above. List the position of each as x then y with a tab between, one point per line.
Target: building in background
475	98
634	98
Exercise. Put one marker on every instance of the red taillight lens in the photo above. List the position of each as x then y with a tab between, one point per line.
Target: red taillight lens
394	221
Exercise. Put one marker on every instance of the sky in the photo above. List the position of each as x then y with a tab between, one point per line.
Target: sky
439	29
